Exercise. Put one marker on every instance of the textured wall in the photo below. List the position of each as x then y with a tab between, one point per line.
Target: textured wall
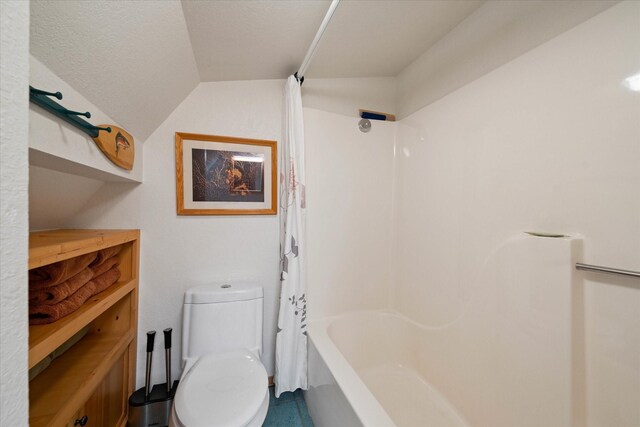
14	71
47	188
66	167
547	142
179	252
136	68
55	144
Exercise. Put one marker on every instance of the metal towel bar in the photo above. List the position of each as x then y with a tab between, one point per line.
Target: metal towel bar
597	268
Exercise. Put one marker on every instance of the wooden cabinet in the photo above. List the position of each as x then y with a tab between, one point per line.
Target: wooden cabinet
96	375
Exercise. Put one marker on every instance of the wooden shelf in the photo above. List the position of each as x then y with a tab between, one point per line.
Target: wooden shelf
57	393
95	376
43	339
46	247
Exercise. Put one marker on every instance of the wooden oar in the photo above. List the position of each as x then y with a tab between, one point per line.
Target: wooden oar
117	145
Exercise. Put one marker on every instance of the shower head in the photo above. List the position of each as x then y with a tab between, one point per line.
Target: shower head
364	125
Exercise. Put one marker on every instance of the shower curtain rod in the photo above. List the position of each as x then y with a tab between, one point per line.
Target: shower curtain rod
314	44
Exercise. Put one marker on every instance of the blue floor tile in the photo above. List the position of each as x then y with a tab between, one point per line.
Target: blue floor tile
304	412
284	397
289	410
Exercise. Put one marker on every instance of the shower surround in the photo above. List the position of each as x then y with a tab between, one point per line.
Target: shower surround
512	356
421	279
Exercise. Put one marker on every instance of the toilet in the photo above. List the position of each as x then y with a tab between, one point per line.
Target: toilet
223	382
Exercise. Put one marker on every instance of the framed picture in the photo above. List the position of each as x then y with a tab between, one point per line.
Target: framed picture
223	175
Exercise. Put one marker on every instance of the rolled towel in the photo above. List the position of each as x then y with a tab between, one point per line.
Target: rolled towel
105	266
43	314
56	273
104	254
54	294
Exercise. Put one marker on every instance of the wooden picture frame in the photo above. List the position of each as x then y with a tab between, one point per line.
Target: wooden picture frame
224	175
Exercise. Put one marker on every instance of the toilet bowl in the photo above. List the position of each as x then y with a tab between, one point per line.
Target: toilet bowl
222	390
224	383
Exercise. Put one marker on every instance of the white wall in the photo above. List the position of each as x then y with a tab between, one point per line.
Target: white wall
55	198
477	152
66	167
546	142
57	145
349	206
132	59
347	96
179	252
493	35
14	116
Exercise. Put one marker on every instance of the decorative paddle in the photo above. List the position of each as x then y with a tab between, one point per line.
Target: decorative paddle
117	145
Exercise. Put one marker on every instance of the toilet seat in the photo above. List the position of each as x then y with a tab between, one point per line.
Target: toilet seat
229	390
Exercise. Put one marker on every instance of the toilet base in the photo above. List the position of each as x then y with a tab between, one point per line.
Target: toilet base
256	421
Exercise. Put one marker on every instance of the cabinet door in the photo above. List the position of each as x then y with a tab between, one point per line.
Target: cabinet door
107	407
77	419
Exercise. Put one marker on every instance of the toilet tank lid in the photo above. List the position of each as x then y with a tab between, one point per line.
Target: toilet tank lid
223	292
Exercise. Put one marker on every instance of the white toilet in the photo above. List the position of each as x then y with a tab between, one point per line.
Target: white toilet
223	382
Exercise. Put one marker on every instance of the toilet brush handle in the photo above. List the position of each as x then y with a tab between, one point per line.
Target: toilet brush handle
151	335
167	338
167	356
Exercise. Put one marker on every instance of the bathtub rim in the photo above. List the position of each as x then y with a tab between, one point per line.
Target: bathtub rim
367	408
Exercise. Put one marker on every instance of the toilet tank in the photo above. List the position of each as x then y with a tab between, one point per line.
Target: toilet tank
219	318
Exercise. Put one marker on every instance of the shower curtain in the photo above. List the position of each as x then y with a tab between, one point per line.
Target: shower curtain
291	338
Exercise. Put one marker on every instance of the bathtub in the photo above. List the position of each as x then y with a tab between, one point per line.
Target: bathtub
364	370
511	353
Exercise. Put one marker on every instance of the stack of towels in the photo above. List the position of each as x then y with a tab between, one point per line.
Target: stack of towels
57	290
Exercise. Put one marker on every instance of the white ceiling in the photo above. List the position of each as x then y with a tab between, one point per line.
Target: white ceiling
248	40
251	40
132	59
137	60
380	38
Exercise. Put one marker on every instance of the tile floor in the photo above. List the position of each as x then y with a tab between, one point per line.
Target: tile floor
289	410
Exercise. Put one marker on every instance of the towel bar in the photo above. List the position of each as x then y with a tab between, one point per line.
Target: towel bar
617	271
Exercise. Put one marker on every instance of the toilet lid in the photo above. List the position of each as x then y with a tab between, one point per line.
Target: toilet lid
222	390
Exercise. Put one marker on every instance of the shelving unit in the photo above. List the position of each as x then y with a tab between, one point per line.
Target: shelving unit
96	375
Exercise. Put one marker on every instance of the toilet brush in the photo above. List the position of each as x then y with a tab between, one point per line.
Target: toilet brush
151	336
167	356
151	406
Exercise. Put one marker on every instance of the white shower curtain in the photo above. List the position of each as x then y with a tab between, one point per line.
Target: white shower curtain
291	338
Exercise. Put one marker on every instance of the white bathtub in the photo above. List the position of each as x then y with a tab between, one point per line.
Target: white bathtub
364	370
512	353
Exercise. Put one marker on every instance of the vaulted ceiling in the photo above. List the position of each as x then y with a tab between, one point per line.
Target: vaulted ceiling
132	59
239	40
137	60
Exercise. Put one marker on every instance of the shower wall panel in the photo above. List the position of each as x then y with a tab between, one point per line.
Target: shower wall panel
547	142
